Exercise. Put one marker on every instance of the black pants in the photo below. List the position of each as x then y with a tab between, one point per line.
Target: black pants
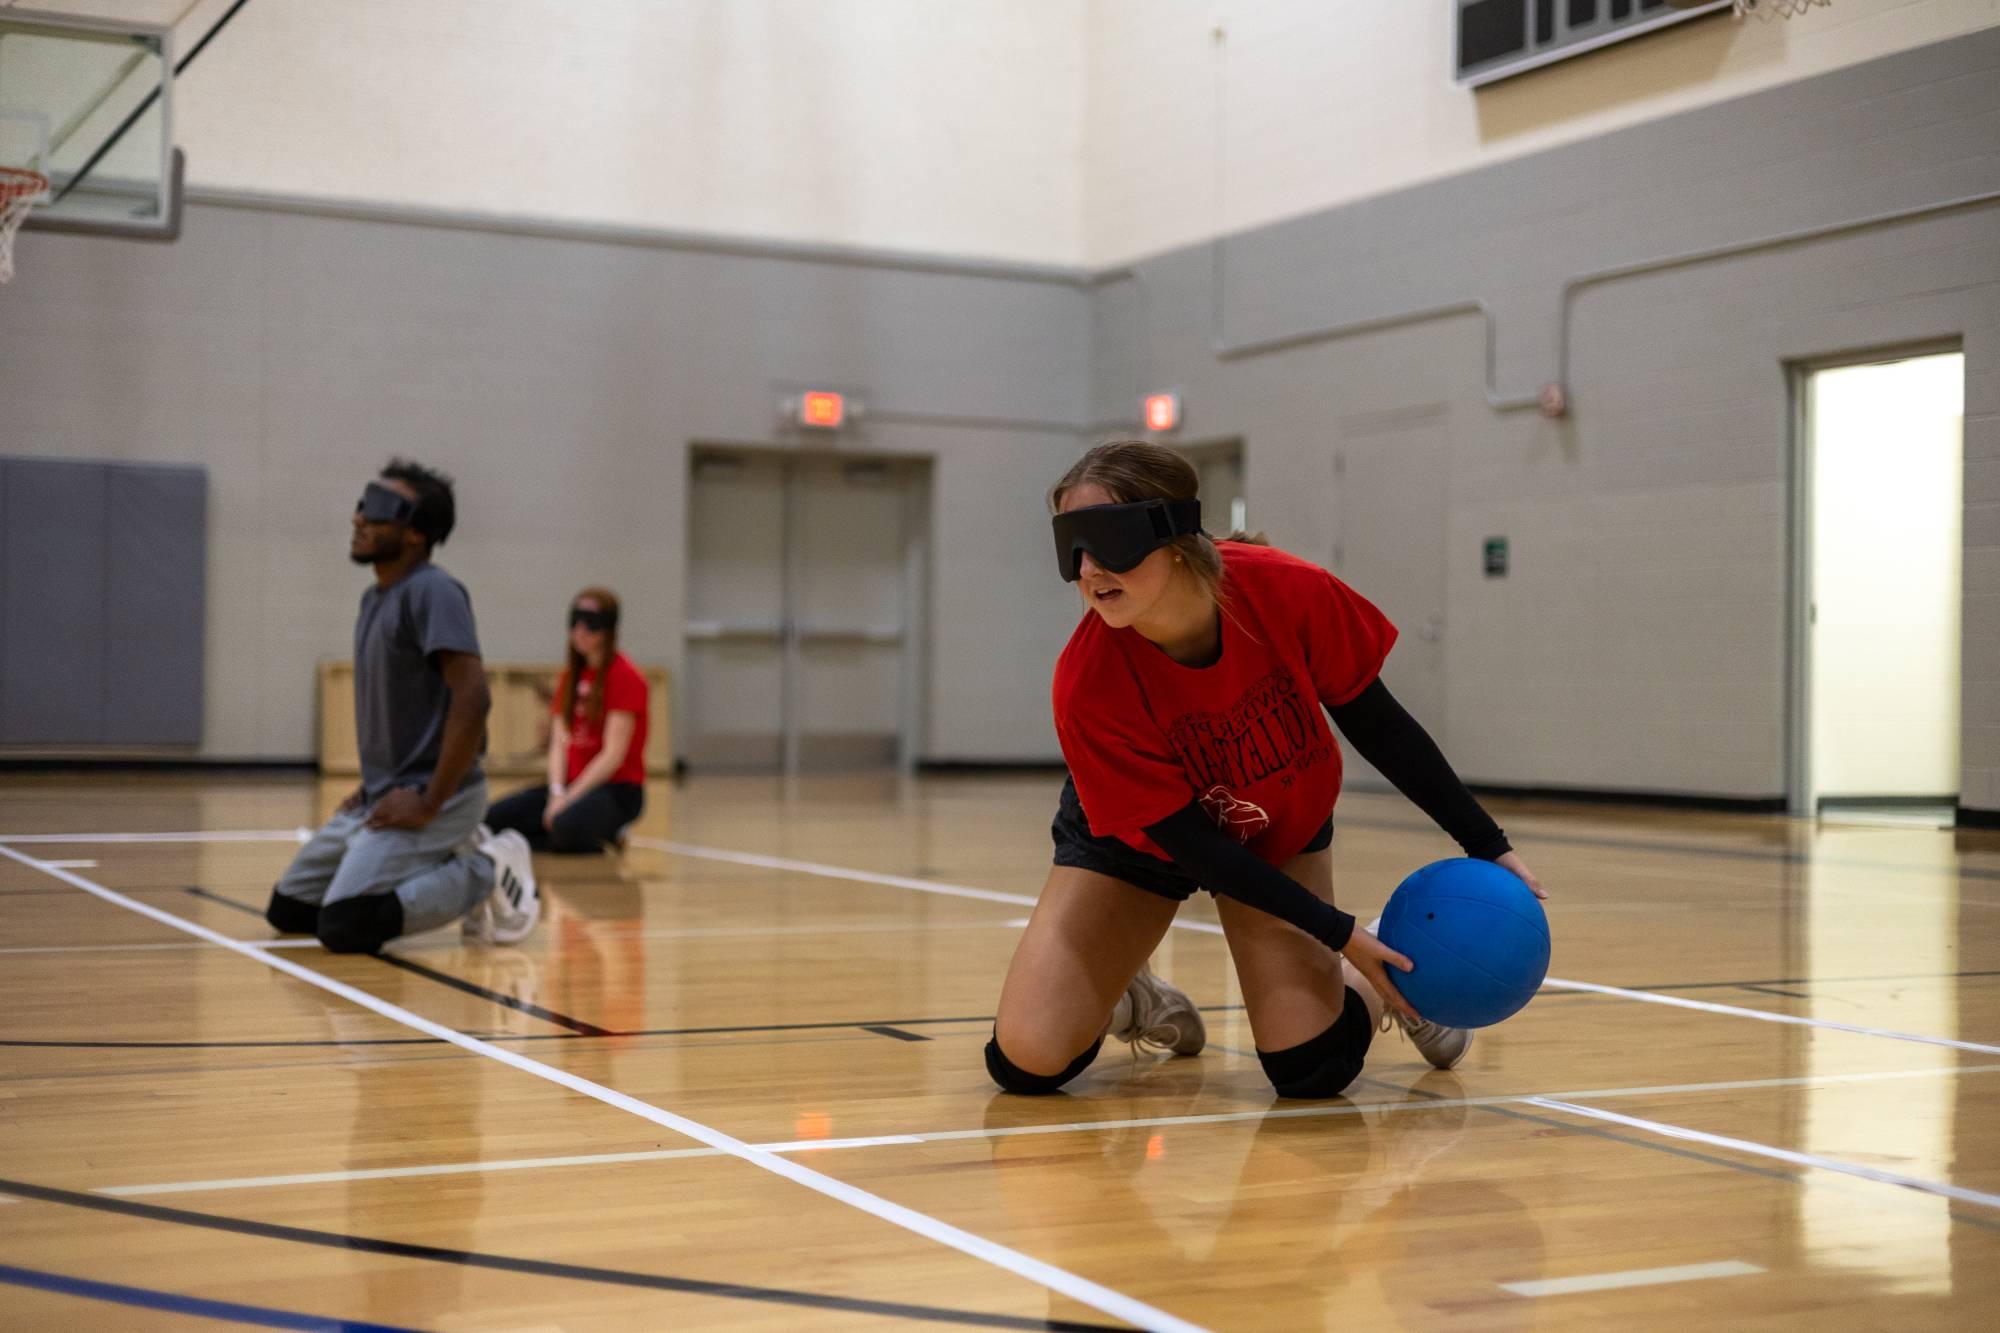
585	825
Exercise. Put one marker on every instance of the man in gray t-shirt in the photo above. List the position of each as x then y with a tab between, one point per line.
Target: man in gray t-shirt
401	701
406	852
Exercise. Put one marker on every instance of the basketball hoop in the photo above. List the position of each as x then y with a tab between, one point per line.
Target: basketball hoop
1763	9
20	190
1776	9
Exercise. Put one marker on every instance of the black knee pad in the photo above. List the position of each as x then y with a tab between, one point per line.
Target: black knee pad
291	916
1012	1078
1324	1066
360	925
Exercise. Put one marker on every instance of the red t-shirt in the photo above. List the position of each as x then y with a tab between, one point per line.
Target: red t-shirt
626	692
1144	735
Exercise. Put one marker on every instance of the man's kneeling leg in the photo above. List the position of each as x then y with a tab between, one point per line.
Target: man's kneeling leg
360	925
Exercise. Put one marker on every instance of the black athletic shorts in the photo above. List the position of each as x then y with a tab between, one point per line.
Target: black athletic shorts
1077	846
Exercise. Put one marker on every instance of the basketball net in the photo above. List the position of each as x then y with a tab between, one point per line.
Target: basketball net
20	191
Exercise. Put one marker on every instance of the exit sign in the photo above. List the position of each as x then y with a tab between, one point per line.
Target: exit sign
1162	412
822	409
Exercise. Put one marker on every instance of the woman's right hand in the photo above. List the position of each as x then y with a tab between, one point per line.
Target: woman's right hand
1373	959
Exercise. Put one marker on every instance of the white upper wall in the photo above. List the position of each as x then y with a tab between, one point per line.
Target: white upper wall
896	124
1317	102
1058	131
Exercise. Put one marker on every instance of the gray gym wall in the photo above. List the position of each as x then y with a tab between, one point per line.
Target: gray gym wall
1639	642
560	379
1640	639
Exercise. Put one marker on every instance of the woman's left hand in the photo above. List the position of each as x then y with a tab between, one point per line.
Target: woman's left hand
1513	862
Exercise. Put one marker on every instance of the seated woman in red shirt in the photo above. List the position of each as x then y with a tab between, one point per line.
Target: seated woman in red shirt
1191	705
597	747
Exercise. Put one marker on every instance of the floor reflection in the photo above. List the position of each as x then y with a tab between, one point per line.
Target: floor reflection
1915	934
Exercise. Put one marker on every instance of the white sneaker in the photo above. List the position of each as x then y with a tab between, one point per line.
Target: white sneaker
476	926
1444	1047
1156	1015
515	905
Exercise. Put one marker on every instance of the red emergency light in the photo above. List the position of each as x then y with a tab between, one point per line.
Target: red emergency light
1162	412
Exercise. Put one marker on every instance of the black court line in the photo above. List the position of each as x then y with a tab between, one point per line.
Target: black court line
200	1307
240	906
885	1030
735	1291
575	1025
1773	990
875	1025
837	1025
774	1027
1580	1126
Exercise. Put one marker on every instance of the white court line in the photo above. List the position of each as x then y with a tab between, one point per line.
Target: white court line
866	877
402	1172
993	895
990	895
140	948
1805	1159
223	835
1631	1277
72	865
1766	1016
830	928
1077	1288
1014	1131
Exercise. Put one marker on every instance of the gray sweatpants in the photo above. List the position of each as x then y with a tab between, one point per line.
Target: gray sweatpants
433	870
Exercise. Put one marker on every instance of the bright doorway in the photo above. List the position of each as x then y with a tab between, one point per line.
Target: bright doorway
1879	487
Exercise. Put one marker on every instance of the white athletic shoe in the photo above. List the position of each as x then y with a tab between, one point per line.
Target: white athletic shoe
1444	1047
511	910
1155	1015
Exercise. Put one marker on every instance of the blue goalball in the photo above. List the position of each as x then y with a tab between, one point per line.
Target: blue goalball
1477	936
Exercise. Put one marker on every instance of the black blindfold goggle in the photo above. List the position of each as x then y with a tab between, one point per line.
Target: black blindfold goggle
1120	536
595	621
380	504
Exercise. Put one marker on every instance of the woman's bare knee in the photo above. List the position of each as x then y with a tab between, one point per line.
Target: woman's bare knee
1089	934
1045	1044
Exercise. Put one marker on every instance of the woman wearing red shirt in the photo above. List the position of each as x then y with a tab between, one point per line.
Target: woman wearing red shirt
597	746
1189	708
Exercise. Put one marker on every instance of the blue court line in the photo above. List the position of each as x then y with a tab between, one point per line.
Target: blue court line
148	1299
809	1300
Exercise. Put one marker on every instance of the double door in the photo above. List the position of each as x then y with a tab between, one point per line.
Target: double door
805	601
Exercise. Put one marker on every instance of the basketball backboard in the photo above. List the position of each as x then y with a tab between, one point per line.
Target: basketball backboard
86	99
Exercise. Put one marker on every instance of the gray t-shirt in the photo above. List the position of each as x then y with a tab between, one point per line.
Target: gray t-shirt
400	698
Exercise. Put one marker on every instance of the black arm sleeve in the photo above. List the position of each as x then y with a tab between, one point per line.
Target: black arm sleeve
1384	734
1223	865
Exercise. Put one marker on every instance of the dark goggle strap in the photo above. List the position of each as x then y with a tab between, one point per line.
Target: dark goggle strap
1119	536
381	504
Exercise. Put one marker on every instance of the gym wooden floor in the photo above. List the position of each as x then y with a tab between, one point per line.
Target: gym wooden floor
798	980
